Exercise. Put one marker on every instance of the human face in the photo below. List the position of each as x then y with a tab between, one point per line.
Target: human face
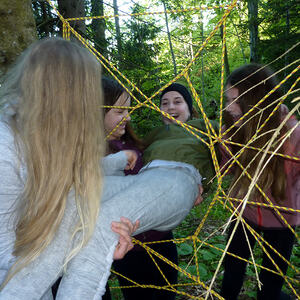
232	105
174	104
114	116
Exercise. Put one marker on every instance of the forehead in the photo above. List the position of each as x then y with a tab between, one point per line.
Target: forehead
232	92
123	100
171	95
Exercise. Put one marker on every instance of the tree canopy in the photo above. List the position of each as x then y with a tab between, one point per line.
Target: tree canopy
150	42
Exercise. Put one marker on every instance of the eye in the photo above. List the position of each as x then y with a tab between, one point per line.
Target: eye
164	103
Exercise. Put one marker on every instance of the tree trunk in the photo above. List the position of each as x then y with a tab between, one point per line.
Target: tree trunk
73	9
118	31
226	63
287	32
239	39
202	57
253	28
45	18
169	38
17	30
98	27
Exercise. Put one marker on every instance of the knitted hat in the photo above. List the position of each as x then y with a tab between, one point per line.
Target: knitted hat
183	91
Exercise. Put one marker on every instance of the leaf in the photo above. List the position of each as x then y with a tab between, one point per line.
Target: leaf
185	249
207	255
251	294
202	272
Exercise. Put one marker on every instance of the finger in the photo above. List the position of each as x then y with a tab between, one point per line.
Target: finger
120	251
126	222
198	200
122	232
135	159
133	226
132	162
136	225
200	189
122	248
121	227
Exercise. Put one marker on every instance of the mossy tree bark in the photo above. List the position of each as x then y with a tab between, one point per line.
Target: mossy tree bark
17	31
98	27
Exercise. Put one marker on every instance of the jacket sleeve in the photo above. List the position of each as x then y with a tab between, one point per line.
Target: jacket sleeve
10	188
114	164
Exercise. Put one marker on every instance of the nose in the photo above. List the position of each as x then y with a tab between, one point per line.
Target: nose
170	105
228	107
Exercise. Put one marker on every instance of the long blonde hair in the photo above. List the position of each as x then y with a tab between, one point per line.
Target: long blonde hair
55	95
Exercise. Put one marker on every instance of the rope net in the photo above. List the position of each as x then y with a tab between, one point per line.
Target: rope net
194	282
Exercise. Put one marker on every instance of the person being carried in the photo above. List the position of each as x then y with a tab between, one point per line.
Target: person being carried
136	261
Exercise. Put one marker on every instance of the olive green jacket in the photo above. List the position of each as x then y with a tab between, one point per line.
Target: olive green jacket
173	142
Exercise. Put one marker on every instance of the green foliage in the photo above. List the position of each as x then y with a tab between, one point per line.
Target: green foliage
185	249
147	62
139	49
280	32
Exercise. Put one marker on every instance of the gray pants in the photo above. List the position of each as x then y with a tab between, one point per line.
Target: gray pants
160	198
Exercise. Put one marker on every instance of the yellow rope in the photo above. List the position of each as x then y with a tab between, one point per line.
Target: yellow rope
196	9
213	139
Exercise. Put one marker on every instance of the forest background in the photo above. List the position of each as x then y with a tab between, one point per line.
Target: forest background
151	49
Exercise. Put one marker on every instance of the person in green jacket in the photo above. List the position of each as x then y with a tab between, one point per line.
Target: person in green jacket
172	145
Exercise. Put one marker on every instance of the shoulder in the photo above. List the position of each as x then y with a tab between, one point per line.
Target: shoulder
294	138
292	146
200	124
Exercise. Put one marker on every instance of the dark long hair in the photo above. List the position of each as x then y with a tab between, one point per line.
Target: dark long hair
253	82
112	90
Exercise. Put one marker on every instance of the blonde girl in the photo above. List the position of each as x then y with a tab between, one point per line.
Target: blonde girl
51	144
